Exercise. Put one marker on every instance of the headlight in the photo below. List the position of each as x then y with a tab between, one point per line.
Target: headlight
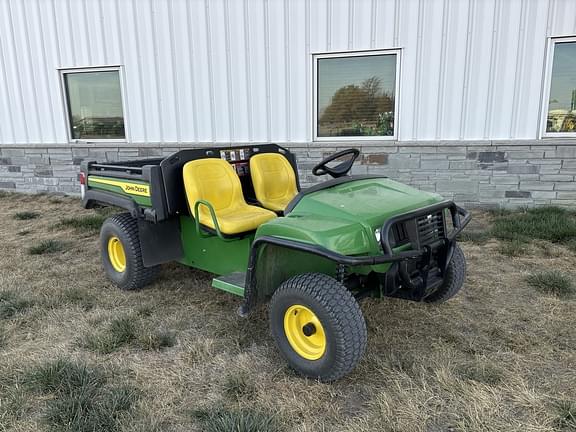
377	234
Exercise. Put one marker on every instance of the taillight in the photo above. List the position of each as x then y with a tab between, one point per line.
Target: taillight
82	178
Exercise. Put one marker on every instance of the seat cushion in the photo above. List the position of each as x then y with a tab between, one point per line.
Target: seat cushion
215	181
241	219
274	180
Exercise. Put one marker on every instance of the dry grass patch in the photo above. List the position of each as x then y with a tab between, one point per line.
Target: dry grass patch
83	224
241	420
81	400
26	215
12	304
126	331
47	247
498	357
550	282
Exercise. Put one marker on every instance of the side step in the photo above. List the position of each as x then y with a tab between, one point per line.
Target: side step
232	283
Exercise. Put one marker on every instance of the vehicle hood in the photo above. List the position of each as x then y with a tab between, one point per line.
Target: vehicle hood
343	217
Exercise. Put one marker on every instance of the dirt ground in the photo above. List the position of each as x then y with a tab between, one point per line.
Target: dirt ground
501	356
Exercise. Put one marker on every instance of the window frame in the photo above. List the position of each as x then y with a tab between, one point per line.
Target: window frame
67	114
547	82
346	54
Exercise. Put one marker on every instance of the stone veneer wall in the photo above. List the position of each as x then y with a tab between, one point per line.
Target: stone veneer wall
483	173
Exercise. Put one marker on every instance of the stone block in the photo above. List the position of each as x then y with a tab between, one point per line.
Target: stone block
461	186
397	161
517	194
435	164
505	180
557	178
375	159
463	164
13	152
566	195
149	152
5	161
417	149
487	156
566	186
7	185
523	169
43	171
564	152
514	155
536	185
543	194
14	169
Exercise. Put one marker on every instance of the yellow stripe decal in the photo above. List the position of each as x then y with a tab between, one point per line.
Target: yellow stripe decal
129	188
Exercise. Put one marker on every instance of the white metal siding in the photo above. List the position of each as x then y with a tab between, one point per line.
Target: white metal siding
240	70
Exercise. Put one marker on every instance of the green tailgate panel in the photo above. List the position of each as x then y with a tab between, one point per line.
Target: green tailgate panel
139	191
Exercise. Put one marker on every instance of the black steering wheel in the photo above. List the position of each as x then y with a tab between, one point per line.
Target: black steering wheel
340	170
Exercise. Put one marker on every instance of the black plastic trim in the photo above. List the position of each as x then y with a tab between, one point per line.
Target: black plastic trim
93	197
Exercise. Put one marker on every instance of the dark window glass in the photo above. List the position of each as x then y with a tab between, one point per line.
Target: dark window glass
356	96
562	102
95	105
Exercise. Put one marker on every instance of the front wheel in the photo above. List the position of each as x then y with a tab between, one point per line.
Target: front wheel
318	326
122	254
454	279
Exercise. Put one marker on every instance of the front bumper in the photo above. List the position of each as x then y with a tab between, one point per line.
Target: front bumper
422	252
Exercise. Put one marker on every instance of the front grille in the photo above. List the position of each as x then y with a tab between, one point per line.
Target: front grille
399	234
430	227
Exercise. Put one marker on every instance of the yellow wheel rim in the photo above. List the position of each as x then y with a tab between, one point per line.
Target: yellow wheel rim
304	332
116	254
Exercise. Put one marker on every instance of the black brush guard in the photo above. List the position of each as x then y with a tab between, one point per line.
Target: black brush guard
432	242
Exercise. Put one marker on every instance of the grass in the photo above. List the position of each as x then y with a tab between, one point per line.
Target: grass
498	357
120	332
12	304
83	224
237	420
474	236
63	376
551	282
566	414
127	331
47	247
554	224
156	340
239	386
81	401
513	248
26	215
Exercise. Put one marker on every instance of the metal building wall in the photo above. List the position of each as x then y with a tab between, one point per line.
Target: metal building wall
240	70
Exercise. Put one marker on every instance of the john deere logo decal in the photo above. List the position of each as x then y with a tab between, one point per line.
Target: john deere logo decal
136	189
129	188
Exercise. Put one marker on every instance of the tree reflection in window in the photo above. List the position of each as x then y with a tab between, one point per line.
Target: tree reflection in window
356	96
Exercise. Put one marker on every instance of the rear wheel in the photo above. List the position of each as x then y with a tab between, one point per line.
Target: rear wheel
318	326
122	254
454	279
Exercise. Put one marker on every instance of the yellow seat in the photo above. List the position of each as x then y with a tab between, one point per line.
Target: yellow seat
274	180
215	181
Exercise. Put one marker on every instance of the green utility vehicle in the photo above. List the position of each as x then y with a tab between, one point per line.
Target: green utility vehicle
312	253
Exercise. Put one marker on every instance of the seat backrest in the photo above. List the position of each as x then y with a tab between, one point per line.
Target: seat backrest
213	180
273	178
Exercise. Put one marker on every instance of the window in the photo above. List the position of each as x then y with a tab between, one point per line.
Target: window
560	106
94	104
355	95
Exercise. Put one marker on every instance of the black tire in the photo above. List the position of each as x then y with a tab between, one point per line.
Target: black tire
125	228
454	279
338	313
